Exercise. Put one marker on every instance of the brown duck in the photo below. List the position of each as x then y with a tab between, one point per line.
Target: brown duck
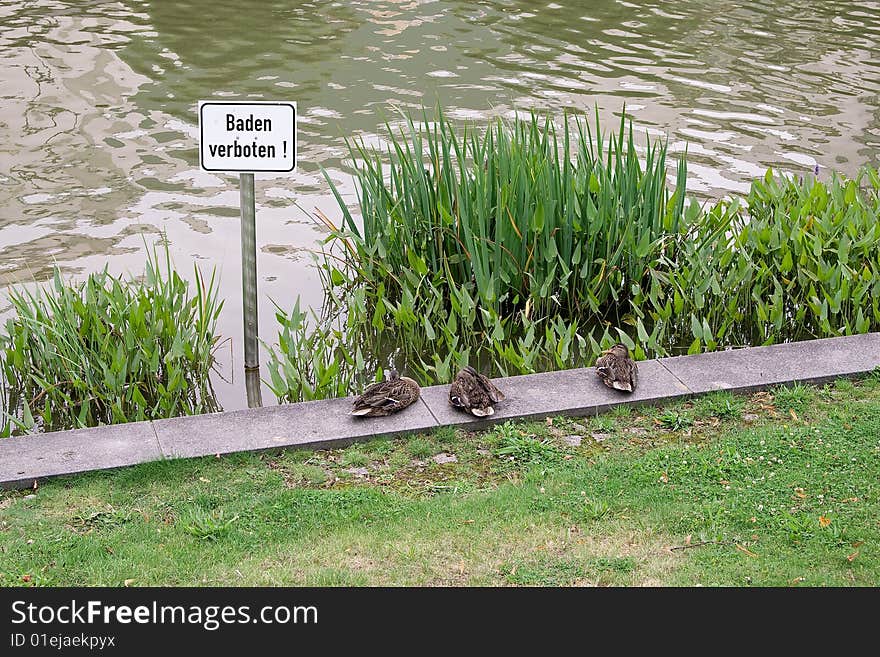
473	392
386	397
617	369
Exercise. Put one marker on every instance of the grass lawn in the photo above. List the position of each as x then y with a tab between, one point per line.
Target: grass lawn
777	488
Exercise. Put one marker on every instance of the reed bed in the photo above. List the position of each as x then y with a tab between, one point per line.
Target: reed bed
109	350
519	214
796	259
527	246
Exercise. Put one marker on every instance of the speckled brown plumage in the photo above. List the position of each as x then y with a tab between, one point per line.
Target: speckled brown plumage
473	392
617	369
386	397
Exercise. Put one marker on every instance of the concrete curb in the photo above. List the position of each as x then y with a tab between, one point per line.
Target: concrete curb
326	423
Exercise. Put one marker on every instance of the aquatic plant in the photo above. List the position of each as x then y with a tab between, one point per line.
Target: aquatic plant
801	260
109	350
316	360
528	247
514	214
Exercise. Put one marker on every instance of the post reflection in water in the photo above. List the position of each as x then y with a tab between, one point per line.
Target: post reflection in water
253	387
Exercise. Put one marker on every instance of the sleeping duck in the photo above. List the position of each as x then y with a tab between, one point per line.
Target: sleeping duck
474	392
386	397
617	369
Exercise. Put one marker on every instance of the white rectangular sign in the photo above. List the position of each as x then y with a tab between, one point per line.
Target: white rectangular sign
245	136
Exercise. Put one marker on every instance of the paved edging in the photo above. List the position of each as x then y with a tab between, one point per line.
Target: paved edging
326	423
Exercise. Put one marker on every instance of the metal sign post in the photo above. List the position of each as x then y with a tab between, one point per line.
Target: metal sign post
249	271
243	137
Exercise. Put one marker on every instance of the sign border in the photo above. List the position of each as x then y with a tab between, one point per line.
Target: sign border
286	103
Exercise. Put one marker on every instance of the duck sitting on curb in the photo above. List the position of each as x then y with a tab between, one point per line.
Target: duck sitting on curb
617	369
473	392
386	397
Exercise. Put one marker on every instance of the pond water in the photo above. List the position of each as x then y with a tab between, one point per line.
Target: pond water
98	121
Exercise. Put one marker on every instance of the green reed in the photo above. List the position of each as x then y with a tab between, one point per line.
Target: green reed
518	213
527	247
109	350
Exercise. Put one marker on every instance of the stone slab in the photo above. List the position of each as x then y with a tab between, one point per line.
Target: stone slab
327	424
321	424
575	392
24	459
813	361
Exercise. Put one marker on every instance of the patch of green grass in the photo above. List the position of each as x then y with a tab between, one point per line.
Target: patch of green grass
522	447
674	420
420	447
769	503
446	434
399	459
101	520
596	509
797	397
603	423
615	564
337	577
797	527
207	526
722	404
620	412
354	457
312	474
844	385
298	455
545	573
568	572
378	448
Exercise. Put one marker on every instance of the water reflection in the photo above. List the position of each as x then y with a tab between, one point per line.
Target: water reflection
98	123
253	387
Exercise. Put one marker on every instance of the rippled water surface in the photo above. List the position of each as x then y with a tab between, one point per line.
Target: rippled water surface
98	101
